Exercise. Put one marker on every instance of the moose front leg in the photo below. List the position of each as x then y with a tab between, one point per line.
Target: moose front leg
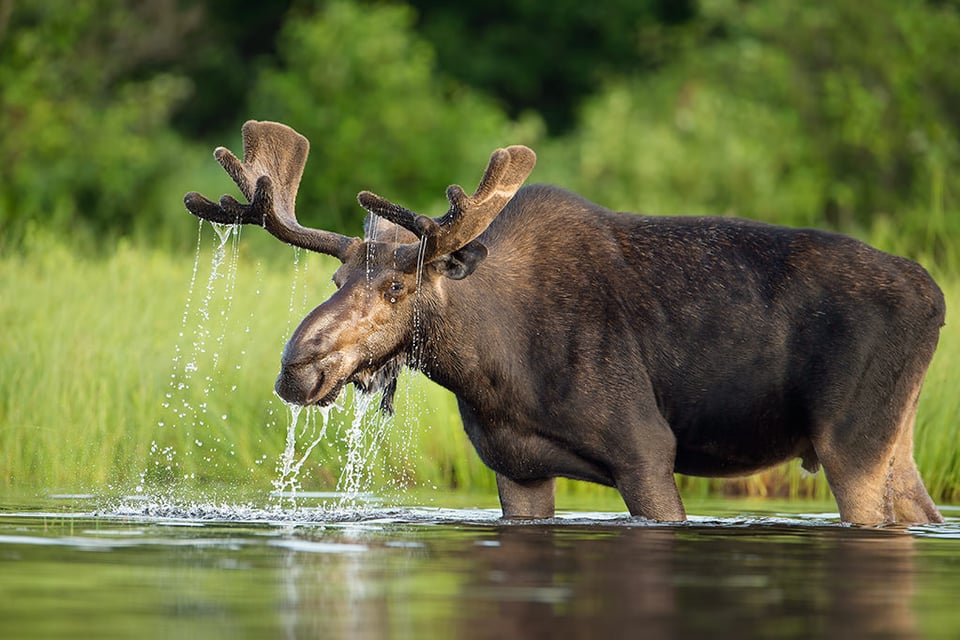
651	494
532	499
643	472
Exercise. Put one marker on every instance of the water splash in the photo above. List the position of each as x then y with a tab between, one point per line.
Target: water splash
361	437
287	485
180	408
364	440
200	445
353	476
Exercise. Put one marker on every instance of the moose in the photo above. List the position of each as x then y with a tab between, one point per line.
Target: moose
613	347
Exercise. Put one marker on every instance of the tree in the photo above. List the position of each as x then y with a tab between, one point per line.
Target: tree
842	115
84	140
548	55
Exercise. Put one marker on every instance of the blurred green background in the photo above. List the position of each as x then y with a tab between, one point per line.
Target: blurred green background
842	115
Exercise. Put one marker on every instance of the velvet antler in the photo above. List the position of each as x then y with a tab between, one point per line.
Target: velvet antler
274	156
468	216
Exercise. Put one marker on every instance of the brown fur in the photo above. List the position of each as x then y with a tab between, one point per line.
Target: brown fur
621	349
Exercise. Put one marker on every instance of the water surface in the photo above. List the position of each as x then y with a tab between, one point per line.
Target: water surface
75	567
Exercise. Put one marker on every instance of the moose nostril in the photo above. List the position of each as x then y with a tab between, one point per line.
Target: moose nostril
299	383
288	386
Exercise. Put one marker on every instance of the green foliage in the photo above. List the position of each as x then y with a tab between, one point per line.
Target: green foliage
84	146
873	85
218	56
548	56
797	114
842	115
363	89
672	145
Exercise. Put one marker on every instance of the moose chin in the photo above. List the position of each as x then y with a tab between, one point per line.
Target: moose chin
612	347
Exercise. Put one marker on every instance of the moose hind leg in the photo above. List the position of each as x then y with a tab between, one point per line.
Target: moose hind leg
861	485
868	460
856	447
912	503
534	499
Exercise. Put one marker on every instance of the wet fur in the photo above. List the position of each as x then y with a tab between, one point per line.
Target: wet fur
621	349
596	345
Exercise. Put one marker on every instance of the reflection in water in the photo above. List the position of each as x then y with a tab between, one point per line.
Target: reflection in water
406	574
675	581
530	585
336	583
521	581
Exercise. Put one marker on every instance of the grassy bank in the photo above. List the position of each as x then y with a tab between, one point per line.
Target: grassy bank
114	372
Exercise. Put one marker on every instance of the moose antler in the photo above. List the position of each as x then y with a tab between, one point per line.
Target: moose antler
468	216
273	159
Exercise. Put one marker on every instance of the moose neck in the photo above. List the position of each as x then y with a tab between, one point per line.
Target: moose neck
464	336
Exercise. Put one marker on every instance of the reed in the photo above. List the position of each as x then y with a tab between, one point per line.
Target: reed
113	374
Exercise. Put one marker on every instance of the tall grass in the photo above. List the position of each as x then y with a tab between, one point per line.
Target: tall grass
111	378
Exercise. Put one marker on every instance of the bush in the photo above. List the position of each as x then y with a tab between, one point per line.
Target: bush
788	112
85	146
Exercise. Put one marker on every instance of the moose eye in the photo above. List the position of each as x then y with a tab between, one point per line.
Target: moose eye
394	291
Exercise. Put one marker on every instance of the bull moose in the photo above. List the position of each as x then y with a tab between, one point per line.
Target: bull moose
612	347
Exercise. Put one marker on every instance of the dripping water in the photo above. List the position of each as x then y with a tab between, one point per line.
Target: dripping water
294	287
417	338
372	236
181	411
287	485
360	438
364	439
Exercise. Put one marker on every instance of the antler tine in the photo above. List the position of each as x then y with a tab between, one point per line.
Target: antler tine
417	224
274	156
468	216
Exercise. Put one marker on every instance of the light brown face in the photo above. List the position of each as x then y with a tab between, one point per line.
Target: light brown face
365	325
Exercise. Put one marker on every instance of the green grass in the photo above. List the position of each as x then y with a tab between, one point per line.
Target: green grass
92	346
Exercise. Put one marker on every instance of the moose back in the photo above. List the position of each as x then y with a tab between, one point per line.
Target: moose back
612	347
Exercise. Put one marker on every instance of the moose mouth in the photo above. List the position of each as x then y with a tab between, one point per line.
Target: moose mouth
323	394
321	383
307	383
367	382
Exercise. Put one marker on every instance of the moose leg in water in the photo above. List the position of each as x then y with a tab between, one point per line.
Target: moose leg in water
643	472
526	498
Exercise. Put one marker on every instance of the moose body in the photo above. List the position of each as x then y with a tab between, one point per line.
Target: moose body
618	348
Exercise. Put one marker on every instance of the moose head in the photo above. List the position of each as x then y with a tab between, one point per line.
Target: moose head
365	332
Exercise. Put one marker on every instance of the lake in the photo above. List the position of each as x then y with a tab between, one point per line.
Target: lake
86	567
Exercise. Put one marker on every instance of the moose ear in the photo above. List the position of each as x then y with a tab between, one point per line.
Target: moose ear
462	262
